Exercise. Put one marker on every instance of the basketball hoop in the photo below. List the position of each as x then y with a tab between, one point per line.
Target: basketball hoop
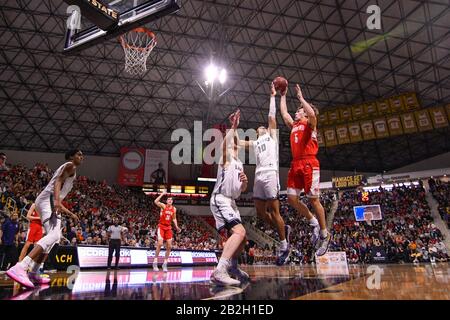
137	44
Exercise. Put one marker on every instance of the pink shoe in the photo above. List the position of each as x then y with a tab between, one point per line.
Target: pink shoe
19	275
39	278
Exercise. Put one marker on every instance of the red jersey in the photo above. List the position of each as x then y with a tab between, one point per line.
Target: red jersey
35	223
166	216
303	140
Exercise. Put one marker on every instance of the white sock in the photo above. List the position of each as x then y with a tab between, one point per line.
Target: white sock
224	264
26	262
313	222
34	267
42	265
283	245
324	233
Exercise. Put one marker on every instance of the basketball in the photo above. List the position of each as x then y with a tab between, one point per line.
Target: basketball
280	84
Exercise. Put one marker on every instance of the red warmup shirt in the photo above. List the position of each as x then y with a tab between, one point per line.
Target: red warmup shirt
166	216
303	141
37	222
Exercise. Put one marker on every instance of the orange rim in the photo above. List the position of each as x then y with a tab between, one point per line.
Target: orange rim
142	30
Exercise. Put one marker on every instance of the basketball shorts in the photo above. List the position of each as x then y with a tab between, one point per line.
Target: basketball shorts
34	233
304	175
164	233
266	185
225	212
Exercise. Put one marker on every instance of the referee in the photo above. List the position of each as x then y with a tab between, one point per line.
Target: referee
115	238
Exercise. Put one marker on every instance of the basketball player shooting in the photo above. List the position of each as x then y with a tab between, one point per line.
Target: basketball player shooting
304	173
168	214
49	206
266	186
231	181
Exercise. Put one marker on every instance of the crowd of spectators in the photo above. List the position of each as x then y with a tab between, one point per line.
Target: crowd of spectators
406	232
441	192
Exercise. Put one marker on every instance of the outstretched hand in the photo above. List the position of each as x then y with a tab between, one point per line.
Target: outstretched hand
299	92
234	118
273	91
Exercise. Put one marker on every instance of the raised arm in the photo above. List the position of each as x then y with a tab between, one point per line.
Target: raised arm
228	141
284	111
272	113
158	203
68	171
312	118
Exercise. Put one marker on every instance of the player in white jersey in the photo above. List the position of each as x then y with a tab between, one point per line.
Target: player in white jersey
266	185
231	181
49	206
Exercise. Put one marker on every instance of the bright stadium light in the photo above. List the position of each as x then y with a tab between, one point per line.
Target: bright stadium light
223	76
211	73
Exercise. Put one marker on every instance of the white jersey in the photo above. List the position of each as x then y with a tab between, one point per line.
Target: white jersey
228	182
65	189
266	152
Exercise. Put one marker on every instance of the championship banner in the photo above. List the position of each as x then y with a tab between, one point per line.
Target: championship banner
381	128
367	129
408	123
423	120
394	125
131	167
410	101
347	181
156	166
330	137
396	104
333	116
383	107
438	117
320	139
358	111
370	109
323	119
345	113
355	132
342	134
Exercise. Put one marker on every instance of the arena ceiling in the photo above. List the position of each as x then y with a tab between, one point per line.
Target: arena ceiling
51	101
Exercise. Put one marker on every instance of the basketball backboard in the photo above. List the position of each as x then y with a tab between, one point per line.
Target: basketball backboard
82	33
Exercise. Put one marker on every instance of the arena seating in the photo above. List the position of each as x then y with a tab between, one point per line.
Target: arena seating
441	192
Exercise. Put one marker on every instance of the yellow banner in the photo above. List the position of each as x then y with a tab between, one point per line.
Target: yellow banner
381	128
342	134
330	137
347	182
383	107
438	117
408	123
345	113
355	132
370	109
320	139
358	111
394	125
410	101
423	120
367	130
396	104
323	119
333	116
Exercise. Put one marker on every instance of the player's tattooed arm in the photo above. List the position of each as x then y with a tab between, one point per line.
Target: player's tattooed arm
158	202
312	119
284	111
69	170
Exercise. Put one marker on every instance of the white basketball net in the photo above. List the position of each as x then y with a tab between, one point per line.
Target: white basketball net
137	44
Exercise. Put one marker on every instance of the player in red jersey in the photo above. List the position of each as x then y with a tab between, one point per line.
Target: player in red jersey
34	233
164	232
304	173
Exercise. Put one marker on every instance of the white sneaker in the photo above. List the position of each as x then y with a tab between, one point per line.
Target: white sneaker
222	278
322	245
164	267
155	266
315	236
239	273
